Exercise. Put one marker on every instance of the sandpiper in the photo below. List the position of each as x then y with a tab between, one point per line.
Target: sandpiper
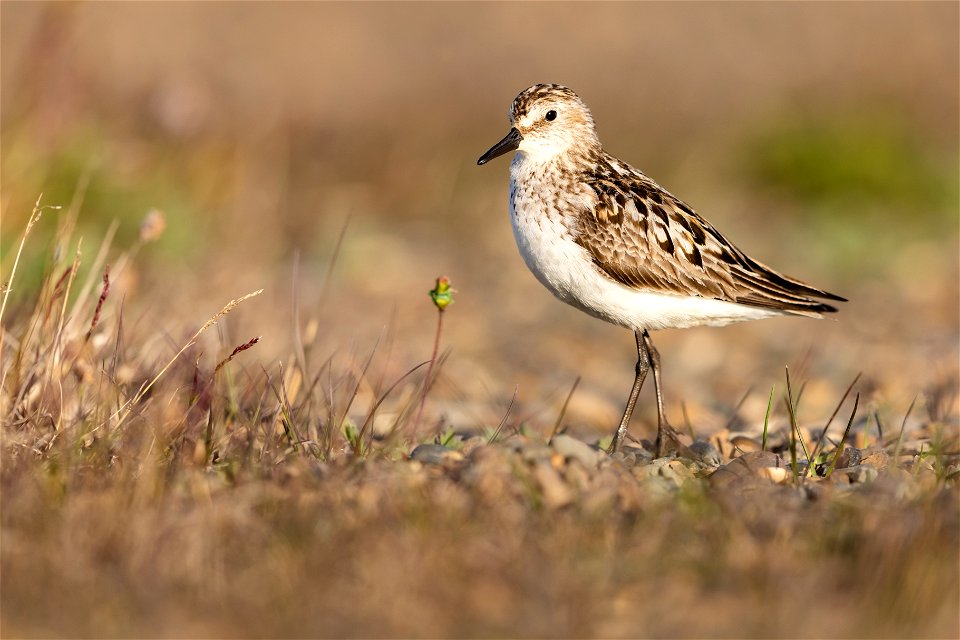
605	238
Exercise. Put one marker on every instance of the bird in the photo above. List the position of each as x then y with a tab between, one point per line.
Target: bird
605	238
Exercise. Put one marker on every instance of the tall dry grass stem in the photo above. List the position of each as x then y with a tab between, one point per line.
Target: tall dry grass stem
31	221
823	434
506	414
442	296
127	407
846	434
563	410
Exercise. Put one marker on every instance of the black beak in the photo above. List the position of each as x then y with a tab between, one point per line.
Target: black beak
509	143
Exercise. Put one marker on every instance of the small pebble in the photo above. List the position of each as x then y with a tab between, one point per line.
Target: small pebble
571	448
435	454
849	457
706	453
556	493
858	474
628	459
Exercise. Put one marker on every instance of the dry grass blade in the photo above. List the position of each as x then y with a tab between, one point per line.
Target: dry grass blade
325	287
283	413
766	418
903	426
404	415
103	296
287	411
243	347
58	338
230	306
686	421
823	434
428	381
368	420
340	419
795	434
736	408
31	221
563	410
846	433
506	414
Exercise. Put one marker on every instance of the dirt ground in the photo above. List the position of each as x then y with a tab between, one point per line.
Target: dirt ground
163	474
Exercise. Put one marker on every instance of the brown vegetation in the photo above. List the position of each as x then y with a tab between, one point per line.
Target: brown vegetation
182	459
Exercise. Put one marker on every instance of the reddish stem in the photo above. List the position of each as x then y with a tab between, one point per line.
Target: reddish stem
427	383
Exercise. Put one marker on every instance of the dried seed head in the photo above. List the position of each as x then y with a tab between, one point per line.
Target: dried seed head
152	226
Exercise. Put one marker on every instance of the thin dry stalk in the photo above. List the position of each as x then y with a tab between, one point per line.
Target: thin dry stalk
427	381
503	420
823	434
55	351
361	376
795	427
563	410
103	296
903	426
373	409
99	263
403	415
74	269
34	217
766	419
736	409
230	306
243	347
846	433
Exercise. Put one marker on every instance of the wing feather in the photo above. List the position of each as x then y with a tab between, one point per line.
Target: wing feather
645	238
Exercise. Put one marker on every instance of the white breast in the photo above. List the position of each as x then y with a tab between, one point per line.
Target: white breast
543	219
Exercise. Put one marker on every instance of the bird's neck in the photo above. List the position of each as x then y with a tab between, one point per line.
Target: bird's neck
529	164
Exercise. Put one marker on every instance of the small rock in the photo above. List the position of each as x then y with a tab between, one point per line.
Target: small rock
643	455
777	474
862	473
577	476
435	454
627	459
749	465
849	457
535	452
669	470
675	471
814	490
745	444
571	448
555	491
875	456
473	443
706	453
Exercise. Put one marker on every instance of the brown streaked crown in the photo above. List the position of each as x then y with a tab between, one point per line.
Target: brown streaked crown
540	92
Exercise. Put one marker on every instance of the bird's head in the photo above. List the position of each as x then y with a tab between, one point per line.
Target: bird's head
548	121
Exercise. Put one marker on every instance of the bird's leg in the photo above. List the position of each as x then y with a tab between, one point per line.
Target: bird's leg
643	365
662	425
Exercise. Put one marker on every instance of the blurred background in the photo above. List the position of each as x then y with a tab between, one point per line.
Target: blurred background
821	138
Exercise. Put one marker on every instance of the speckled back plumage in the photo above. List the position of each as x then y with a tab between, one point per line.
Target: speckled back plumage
642	236
637	233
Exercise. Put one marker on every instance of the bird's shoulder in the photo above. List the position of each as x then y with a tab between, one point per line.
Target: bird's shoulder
643	236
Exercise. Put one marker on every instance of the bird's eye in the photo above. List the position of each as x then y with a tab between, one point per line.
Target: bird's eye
551	116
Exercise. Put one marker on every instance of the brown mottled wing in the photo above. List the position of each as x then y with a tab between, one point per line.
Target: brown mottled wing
645	238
